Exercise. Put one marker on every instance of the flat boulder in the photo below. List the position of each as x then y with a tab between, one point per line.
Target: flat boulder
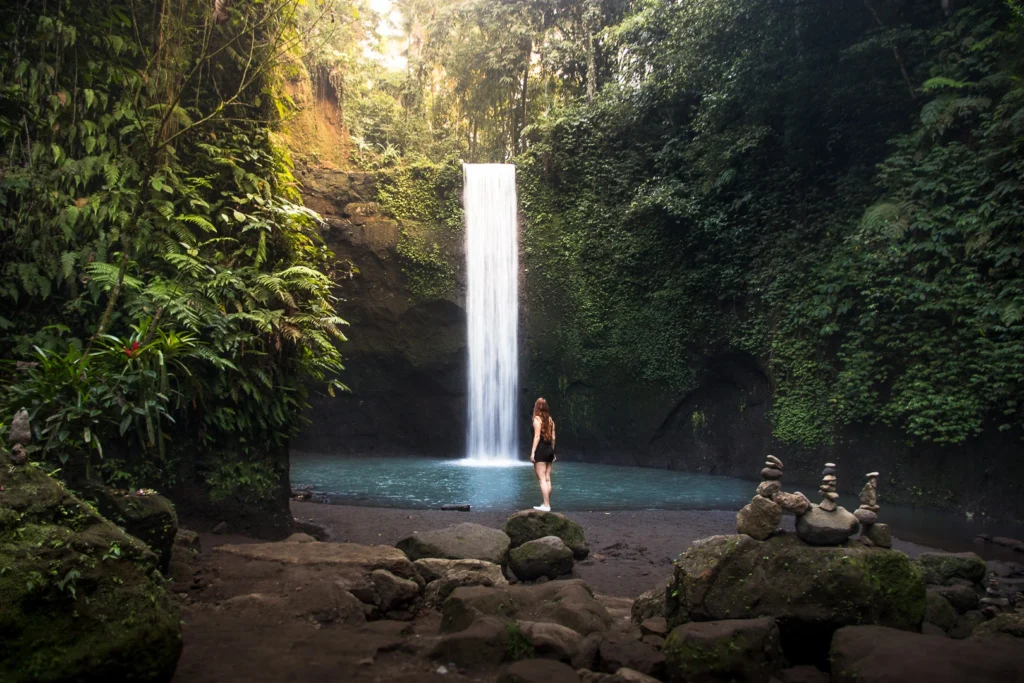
734	649
530	525
823	527
875	654
80	599
736	577
393	592
343	556
552	641
545	557
486	643
466	541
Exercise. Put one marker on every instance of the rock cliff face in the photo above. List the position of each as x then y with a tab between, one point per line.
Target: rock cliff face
405	358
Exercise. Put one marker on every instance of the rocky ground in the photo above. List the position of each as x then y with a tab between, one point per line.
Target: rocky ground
285	611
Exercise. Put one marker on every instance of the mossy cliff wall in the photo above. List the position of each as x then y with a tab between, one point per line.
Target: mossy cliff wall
400	274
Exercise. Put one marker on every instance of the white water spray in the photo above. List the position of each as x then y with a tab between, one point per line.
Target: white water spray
492	307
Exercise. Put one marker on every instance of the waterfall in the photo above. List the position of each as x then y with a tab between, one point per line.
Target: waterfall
492	309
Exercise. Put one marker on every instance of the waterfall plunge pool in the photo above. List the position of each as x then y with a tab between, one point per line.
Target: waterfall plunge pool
419	483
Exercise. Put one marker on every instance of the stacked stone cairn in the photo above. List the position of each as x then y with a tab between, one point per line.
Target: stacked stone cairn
761	517
828	488
872	533
827	523
20	436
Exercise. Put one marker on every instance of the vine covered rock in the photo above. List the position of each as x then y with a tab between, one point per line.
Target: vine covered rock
79	598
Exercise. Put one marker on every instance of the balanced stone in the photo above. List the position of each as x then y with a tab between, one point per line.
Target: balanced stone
832	495
821	527
879	534
830	464
865	516
792	503
768	488
771	473
828	505
759	519
829	470
829	477
869	494
775	461
21	430
769	463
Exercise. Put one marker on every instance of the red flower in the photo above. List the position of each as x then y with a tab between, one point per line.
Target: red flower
132	350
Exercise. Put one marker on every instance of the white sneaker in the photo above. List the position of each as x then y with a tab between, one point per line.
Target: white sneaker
542	508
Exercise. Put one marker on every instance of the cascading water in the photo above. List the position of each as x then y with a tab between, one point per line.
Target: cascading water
492	308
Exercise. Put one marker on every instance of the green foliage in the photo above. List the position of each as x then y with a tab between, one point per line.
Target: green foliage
243	481
517	645
141	182
831	189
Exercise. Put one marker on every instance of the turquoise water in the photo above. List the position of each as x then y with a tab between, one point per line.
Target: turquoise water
427	483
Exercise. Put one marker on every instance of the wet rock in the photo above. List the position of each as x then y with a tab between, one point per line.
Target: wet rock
618	650
735	649
187	539
942	567
727	577
1003	569
961	597
65	611
456	507
458	573
939	612
769	488
792	503
464	541
530	525
758	519
545	557
538	671
1011	543
875	654
393	592
819	527
220	528
552	641
648	604
879	535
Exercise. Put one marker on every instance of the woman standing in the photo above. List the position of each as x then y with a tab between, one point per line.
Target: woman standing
542	455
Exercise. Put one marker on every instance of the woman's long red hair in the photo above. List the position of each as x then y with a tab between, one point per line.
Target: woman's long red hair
547	427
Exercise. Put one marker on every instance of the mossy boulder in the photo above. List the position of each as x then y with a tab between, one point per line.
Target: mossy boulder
944	568
80	600
545	557
939	612
731	650
736	577
149	518
530	525
1007	627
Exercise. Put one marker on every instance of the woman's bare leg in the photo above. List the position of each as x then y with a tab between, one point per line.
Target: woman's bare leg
545	483
538	468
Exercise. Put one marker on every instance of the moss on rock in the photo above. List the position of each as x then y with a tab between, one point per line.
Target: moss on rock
80	600
530	525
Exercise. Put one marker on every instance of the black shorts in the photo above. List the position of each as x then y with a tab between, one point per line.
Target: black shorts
545	453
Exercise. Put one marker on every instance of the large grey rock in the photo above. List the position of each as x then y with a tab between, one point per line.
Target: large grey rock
69	610
942	568
548	557
466	541
731	650
393	592
874	654
460	573
820	527
759	518
736	577
529	525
